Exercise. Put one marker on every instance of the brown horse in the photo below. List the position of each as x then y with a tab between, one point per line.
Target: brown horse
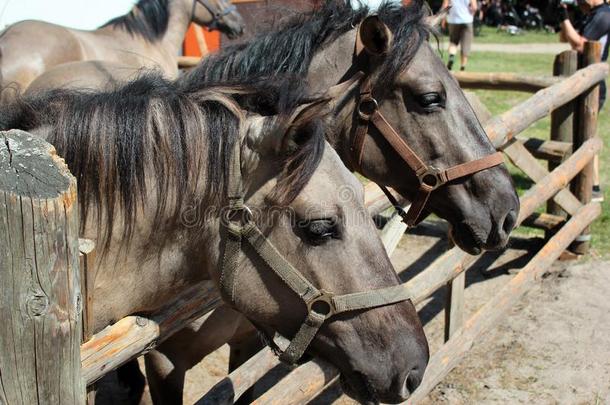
420	100
157	164
150	35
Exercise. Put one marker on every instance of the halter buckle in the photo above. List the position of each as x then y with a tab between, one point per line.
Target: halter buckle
322	304
431	177
367	106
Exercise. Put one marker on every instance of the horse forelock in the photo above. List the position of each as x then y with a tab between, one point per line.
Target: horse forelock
148	18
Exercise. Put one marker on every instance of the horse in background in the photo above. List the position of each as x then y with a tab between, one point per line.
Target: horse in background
149	36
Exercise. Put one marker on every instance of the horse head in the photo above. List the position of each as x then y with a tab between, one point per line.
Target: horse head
305	244
218	15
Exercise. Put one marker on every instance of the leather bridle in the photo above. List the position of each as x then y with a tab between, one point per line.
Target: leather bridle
429	177
216	15
321	305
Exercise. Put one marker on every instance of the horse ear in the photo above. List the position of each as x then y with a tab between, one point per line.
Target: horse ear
375	36
435	20
303	123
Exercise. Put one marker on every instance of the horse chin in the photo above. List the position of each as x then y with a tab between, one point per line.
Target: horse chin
358	388
466	238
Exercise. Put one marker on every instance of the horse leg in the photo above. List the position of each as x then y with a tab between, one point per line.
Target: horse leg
166	366
131	378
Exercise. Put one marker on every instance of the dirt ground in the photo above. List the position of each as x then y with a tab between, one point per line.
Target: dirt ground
553	348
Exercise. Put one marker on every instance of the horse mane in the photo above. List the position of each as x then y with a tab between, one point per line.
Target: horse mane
290	49
153	136
148	18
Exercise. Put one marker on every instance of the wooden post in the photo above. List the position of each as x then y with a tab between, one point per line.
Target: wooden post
588	105
566	64
40	298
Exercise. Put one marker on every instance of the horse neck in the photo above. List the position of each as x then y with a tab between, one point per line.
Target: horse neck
327	68
331	62
180	14
171	41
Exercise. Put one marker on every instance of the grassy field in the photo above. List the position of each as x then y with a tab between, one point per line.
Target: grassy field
491	35
500	101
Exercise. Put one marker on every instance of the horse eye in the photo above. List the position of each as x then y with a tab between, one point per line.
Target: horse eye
320	231
430	100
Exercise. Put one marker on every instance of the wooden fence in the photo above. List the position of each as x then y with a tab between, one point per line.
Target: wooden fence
44	289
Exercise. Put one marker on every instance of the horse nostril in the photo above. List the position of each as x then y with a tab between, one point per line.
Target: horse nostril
509	222
413	380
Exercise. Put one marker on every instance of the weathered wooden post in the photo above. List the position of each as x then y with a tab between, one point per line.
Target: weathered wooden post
40	299
586	128
562	128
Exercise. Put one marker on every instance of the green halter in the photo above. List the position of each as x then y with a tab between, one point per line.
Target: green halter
321	305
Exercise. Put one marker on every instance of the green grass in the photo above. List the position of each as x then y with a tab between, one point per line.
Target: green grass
490	35
501	101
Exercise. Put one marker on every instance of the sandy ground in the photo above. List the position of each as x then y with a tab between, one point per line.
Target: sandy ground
553	348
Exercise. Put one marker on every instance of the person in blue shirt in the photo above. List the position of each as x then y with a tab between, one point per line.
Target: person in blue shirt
595	27
461	15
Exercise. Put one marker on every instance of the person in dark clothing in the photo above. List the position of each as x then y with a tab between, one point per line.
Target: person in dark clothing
595	27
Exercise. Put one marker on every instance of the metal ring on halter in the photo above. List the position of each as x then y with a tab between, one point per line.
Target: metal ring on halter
322	304
431	178
246	215
365	113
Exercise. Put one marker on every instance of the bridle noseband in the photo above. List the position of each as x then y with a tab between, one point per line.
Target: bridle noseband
216	15
429	177
321	305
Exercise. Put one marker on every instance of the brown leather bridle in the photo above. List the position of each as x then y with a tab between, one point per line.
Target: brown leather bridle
429	177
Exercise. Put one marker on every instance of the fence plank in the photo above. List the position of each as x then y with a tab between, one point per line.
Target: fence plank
504	127
135	335
40	304
504	81
535	171
553	151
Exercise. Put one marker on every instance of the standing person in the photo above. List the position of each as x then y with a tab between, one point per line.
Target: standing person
595	27
460	28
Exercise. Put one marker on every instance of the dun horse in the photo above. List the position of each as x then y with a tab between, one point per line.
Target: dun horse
150	35
149	152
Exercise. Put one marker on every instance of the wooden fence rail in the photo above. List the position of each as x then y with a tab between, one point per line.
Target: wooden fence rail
504	81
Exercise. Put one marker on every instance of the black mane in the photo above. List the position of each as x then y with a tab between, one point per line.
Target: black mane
148	18
152	143
290	49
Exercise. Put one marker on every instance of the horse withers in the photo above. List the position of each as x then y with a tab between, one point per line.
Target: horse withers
149	36
168	173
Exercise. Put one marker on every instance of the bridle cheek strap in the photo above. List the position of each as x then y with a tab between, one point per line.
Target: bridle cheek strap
429	177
